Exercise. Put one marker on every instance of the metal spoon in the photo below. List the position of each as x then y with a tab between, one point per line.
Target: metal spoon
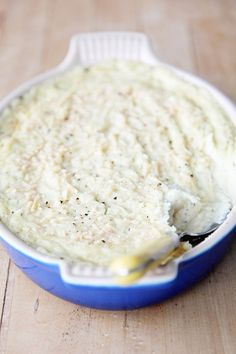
127	269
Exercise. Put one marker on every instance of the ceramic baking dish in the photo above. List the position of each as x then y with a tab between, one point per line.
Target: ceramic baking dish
93	285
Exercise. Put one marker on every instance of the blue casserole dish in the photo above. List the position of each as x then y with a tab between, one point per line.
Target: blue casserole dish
93	286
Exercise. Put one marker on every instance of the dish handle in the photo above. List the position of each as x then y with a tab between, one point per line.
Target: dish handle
84	274
91	48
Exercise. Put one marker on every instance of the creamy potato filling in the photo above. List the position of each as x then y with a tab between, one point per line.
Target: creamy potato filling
99	161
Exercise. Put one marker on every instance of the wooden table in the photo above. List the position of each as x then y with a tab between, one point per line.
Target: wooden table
199	36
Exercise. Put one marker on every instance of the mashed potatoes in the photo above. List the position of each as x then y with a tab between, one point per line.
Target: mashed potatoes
99	161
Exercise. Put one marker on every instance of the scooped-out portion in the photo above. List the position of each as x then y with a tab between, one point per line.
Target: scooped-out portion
99	161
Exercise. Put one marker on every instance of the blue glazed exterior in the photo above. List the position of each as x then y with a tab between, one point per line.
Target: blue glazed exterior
48	277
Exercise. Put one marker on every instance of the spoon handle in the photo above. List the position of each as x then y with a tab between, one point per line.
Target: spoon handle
129	268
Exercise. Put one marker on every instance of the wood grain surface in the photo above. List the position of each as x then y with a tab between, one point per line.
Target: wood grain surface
199	36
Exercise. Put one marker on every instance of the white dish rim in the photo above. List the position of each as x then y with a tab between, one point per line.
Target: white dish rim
87	274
